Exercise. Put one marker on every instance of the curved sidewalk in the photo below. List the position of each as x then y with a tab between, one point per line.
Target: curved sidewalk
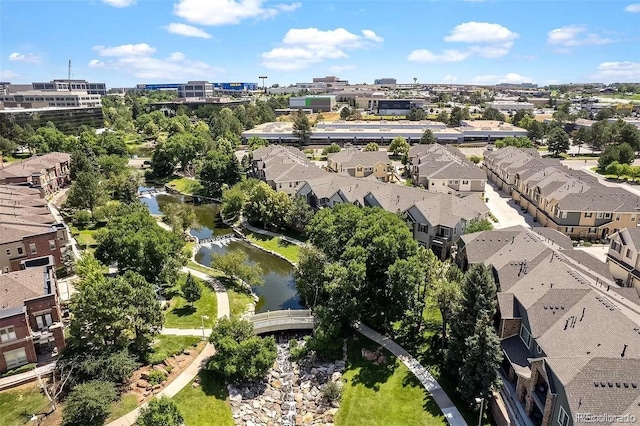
221	293
252	228
448	408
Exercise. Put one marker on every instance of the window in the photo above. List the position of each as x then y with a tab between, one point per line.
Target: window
633	218
588	214
423	228
628	253
525	335
32	248
52	244
445	232
455	182
569	230
7	334
465	182
607	215
617	217
20	251
44	321
600	215
592	230
8	252
564	215
563	417
15	358
450	182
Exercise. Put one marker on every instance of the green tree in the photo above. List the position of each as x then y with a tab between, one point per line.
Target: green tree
399	146
179	216
634	172
240	354
604	114
331	149
610	154
163	160
519	116
630	135
86	192
478	225
255	142
581	137
477	300
116	313
345	113
616	169
599	135
417	114
443	117
300	214
558	141
626	153
445	281
492	114
518	142
233	201
161	411
482	358
371	147
535	131
218	170
89	404
457	115
302	127
428	137
191	290
234	264
7	146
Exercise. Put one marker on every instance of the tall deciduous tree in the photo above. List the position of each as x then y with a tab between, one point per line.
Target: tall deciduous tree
302	127
234	264
86	192
299	214
217	170
399	146
428	137
558	141
492	114
89	404
371	147
161	411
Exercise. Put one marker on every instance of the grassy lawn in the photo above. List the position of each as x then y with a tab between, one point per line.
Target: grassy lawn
167	345
275	244
183	315
383	394
19	404
204	269
185	185
205	405
125	404
238	302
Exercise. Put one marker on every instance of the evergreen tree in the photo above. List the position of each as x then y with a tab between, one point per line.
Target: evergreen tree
191	290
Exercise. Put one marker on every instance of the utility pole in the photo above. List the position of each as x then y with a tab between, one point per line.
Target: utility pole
263	78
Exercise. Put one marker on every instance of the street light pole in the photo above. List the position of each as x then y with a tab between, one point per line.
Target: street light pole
202	318
481	401
263	78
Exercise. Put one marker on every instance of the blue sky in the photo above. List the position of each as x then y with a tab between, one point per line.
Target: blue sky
125	42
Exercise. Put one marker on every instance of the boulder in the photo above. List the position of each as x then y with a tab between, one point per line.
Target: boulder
307	419
143	384
195	385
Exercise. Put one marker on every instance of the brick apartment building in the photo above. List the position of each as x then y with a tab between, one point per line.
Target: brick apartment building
31	328
48	172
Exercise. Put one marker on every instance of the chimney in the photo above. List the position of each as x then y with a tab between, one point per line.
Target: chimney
623	351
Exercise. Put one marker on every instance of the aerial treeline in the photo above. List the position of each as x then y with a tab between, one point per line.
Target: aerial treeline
364	265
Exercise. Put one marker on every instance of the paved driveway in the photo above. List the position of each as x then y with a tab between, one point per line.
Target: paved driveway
505	209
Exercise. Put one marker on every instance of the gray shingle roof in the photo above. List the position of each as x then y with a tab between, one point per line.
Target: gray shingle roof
16	287
348	158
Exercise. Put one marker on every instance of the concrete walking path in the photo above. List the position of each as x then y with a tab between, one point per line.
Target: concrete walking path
186	331
18	379
251	228
448	408
221	292
173	388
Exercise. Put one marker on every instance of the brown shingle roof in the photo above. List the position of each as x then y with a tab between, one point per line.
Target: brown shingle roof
16	287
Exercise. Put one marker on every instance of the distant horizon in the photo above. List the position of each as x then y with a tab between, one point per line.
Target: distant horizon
475	42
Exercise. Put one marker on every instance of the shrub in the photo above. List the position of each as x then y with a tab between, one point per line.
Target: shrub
160	412
82	218
19	370
332	391
156	377
88	404
296	350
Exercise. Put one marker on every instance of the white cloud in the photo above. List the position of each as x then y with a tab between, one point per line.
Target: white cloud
618	71
140	49
8	75
449	78
484	39
574	35
186	30
226	12
634	8
507	78
119	3
24	57
480	32
370	35
424	55
144	66
302	47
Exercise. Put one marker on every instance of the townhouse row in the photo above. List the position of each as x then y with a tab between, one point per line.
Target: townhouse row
437	219
570	201
569	334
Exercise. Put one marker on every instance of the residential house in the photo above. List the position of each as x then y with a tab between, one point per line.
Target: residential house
570	201
443	168
31	328
48	172
569	334
29	234
357	163
623	257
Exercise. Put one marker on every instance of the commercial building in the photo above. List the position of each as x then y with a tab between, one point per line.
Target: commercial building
31	329
196	89
159	86
54	99
510	105
568	332
383	132
66	119
317	103
570	201
331	80
72	86
385	82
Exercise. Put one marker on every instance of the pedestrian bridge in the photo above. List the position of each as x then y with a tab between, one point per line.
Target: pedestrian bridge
268	322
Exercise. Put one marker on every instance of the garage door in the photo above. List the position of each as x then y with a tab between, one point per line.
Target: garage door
15	358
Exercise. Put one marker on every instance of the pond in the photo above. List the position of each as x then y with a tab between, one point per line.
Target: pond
279	289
